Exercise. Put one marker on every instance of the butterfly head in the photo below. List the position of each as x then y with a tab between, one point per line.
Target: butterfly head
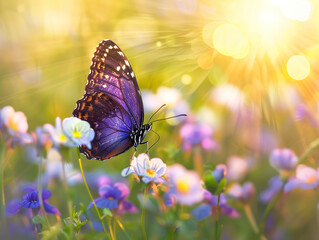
148	127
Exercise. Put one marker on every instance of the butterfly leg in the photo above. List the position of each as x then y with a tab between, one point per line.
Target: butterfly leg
158	138
146	142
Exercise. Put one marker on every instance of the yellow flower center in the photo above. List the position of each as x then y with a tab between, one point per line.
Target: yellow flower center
182	187
62	138
13	125
76	134
150	172
312	179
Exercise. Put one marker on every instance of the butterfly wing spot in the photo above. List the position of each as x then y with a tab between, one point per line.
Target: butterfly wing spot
110	47
123	67
120	53
107	76
104	85
118	68
82	106
85	116
132	74
127	63
90	108
116	47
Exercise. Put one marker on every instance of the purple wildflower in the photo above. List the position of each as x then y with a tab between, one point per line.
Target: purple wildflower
31	200
302	112
211	200
113	196
306	178
185	185
275	183
283	159
197	134
242	193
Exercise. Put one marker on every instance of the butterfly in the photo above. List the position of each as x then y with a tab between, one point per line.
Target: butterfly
112	104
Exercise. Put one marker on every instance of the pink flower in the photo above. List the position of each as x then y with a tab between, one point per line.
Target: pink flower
236	168
306	178
242	193
185	185
13	121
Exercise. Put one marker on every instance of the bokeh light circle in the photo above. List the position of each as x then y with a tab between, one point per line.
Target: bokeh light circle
298	67
229	40
186	79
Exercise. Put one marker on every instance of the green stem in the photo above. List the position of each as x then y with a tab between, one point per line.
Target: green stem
4	163
251	218
269	207
311	147
252	221
40	194
217	225
122	227
4	160
69	202
143	214
92	199
111	228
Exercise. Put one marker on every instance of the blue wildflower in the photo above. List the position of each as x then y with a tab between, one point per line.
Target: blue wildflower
219	172
31	200
211	200
275	184
113	196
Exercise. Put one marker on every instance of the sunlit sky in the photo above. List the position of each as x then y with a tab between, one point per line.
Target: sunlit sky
253	44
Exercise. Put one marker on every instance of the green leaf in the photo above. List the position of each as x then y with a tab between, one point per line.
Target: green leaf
106	213
221	186
38	219
51	233
210	183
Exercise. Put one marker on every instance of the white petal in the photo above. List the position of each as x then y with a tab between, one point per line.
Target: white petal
156	163
126	171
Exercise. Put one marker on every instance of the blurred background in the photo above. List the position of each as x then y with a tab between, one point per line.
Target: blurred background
248	69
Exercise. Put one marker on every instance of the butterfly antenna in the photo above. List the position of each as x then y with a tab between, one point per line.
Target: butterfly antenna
156	112
180	115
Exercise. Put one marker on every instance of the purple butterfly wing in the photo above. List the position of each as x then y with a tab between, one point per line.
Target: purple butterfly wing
111	73
111	123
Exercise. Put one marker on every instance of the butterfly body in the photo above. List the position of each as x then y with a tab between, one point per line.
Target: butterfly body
112	104
137	136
